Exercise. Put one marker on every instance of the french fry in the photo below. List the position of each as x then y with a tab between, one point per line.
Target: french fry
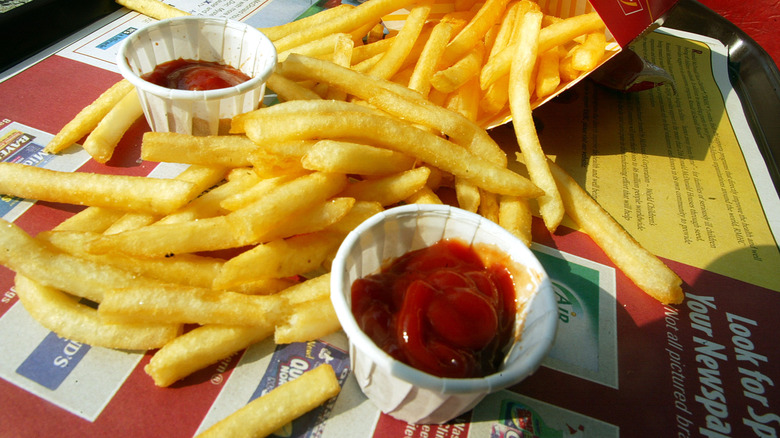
209	204
353	158
547	76
648	272
186	269
550	204
587	56
260	217
551	36
96	219
70	319
474	31
396	54
264	415
424	196
153	8
514	215
308	321
488	206
319	48
413	108
287	90
89	117
260	188
390	189
276	32
278	259
216	150
102	141
39	261
429	58
174	304
396	135
319	216
370	50
367	13
453	77
140	194
199	348
168	239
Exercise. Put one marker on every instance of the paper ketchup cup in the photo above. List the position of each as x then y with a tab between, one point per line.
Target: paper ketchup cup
398	389
204	39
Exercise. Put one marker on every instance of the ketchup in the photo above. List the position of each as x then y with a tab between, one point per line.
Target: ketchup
439	309
188	74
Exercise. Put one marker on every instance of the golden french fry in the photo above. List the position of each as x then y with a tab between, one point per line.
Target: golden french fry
488	206
298	107
260	188
264	415
565	30
319	216
495	98
453	77
78	322
276	32
153	8
101	142
89	117
121	192
550	205
186	269
359	212
376	33
465	100
467	195
39	261
370	50
397	135
202	178
278	259
308	321
391	189
424	196
168	239
95	219
396	54
188	305
353	158
287	90
209	203
259	218
367	13
414	108
318	48
429	58
588	55
514	215
199	348
214	150
547	76
549	37
475	30
646	270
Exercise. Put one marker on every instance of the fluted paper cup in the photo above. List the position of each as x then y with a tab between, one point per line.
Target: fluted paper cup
198	38
399	389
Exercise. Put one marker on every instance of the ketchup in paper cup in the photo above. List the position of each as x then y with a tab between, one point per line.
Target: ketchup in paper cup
401	390
210	41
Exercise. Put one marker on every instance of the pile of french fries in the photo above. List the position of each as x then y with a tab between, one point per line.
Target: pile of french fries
239	244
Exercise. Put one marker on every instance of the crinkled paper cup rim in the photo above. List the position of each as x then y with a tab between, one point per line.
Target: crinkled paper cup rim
201	38
404	224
